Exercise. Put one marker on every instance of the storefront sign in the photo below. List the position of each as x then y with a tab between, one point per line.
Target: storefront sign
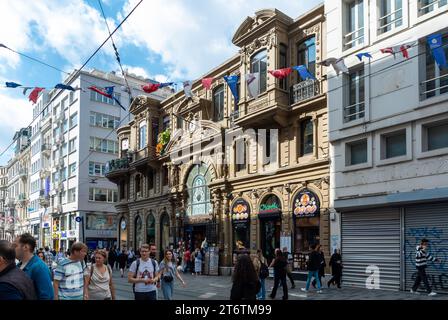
271	205
72	234
101	222
240	211
306	204
64	234
123	224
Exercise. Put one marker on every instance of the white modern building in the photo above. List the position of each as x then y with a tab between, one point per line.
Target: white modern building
73	137
388	128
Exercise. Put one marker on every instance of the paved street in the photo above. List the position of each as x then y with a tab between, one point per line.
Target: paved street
218	288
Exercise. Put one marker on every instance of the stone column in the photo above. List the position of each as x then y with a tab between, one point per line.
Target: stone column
227	229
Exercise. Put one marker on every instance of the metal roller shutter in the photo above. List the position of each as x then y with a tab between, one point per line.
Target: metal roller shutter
371	238
430	222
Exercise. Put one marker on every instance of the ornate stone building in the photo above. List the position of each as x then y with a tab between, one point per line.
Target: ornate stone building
217	178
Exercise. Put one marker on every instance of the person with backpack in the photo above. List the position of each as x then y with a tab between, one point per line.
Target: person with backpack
167	272
421	263
314	264
279	264
122	259
99	279
322	266
143	274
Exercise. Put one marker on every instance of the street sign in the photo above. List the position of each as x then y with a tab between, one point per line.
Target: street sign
78	219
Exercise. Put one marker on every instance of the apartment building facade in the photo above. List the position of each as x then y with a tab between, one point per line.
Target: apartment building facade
388	130
73	137
246	194
3	203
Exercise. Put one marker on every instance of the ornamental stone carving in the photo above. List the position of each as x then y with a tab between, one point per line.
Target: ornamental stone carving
269	40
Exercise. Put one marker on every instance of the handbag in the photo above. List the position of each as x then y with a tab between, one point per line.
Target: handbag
167	278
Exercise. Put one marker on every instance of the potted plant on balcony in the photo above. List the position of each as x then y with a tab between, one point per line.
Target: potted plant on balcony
163	139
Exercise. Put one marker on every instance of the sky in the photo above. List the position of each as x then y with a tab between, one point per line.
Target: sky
173	40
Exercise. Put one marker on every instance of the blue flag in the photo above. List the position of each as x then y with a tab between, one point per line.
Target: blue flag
64	87
363	54
47	187
232	82
435	44
166	84
118	102
109	91
304	73
12	85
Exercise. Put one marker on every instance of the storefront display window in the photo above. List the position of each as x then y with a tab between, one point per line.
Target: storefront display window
150	228
270	225
101	222
138	232
240	215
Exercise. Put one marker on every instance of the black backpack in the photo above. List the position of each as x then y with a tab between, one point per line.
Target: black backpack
264	271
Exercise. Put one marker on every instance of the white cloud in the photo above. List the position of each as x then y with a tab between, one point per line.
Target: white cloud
191	36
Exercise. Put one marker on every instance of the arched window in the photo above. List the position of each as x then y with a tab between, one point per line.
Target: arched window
198	191
138	229
150	228
218	104
259	63
164	232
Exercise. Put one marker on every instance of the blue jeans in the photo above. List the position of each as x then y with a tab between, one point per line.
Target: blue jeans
152	295
312	274
262	294
167	290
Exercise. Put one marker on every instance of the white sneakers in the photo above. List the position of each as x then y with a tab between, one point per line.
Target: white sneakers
432	294
319	291
304	289
414	292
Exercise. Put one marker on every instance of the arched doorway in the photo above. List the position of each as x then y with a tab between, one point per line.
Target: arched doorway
150	228
164	232
198	206
138	233
270	215
122	233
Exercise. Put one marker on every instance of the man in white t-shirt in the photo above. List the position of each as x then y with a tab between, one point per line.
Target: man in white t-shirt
143	275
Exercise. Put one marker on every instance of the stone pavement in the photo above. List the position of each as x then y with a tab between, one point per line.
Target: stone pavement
218	288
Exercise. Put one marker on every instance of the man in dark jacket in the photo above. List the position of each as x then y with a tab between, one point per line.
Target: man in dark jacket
336	268
314	264
14	283
288	258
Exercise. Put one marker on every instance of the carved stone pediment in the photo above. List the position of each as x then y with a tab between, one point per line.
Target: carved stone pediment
142	103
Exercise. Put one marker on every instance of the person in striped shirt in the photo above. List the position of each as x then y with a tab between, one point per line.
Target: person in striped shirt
69	275
421	263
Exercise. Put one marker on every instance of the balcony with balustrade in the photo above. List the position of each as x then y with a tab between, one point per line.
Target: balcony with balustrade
117	168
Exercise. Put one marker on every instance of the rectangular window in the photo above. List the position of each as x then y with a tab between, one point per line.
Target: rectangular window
355	96
218	104
259	63
150	178
427	6
436	80
72	169
357	152
283	63
354	34
306	135
391	15
306	54
165	176
71	195
65	126
155	131
166	123
73	120
142	135
437	136
241	156
103	195
72	97
72	145
395	144
63	174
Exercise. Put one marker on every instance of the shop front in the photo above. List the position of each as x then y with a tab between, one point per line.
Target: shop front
150	228
240	216
100	230
306	218
270	216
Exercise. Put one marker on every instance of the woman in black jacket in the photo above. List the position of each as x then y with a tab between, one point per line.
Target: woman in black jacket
322	266
314	264
246	284
336	268
280	263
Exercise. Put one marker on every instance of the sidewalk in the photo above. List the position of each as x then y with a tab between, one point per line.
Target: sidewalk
218	288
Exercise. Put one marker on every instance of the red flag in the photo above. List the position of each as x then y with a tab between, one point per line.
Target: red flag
151	87
35	94
404	50
93	88
388	50
281	73
207	83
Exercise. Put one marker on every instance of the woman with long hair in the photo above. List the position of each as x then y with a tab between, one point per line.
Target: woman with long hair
99	285
167	272
279	264
246	283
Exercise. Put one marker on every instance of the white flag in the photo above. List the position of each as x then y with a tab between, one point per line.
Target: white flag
253	84
187	89
337	64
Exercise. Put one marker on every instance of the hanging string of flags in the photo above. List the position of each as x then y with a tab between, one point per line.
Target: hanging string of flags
252	79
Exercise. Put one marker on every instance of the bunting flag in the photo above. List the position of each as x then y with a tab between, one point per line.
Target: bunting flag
435	44
187	89
167	84
25	89
118	102
400	48
232	82
153	87
304	72
281	73
363	54
3	46
253	84
207	83
35	94
12	85
337	64
64	87
109	91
